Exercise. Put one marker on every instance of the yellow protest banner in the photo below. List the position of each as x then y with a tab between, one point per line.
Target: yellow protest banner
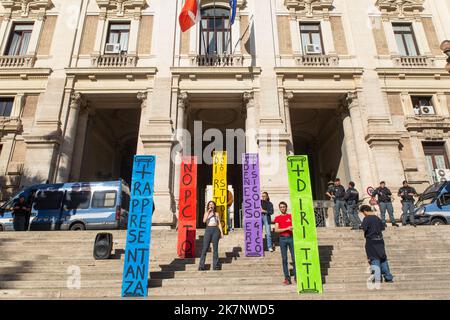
220	186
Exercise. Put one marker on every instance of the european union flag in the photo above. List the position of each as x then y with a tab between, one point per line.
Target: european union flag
233	6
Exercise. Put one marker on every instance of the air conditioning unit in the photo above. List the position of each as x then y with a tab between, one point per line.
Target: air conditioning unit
112	48
313	49
443	174
427	110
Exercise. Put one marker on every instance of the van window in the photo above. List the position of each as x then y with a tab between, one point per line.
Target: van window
445	199
77	200
104	199
48	200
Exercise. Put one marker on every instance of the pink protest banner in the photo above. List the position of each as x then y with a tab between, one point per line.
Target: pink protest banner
252	206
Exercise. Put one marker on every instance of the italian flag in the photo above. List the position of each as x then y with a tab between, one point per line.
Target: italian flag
190	14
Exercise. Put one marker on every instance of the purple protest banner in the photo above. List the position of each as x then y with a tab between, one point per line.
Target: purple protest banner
252	206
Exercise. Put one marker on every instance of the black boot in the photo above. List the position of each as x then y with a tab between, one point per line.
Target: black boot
395	225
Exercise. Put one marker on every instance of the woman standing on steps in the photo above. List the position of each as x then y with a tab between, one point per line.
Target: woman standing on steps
213	233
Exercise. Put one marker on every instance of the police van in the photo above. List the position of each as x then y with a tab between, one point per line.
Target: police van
433	206
73	206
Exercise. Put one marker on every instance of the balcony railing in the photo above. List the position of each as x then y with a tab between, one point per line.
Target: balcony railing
315	60
17	61
114	61
218	60
413	61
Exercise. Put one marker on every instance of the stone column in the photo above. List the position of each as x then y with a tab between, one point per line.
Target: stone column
84	116
181	148
142	96
251	122
349	146
328	41
77	101
35	35
134	34
361	147
5	155
288	96
4	26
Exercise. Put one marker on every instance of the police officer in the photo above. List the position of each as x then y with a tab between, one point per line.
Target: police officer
407	194
352	198
336	193
385	203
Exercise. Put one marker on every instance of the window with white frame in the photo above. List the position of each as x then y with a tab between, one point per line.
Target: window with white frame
215	31
6	106
19	39
423	105
405	38
311	36
119	34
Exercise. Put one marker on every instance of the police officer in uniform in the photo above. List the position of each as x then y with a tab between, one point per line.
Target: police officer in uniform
336	193
385	203
352	198
407	194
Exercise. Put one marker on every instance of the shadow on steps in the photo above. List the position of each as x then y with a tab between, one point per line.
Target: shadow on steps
178	264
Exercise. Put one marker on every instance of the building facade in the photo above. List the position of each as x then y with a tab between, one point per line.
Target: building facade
358	85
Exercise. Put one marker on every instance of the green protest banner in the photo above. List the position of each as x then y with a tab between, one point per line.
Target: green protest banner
307	262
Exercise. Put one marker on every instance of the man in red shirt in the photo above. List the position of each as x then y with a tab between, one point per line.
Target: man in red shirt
283	226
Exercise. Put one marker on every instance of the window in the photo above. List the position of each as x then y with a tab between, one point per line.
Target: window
6	105
445	198
215	32
406	41
436	158
77	200
423	105
48	200
104	199
311	34
19	40
119	33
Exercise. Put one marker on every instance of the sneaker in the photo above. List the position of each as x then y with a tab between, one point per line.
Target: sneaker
389	281
271	250
217	268
287	282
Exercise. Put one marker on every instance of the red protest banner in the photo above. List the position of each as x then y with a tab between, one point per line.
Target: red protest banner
187	208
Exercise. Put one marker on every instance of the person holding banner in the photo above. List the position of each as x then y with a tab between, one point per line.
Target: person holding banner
283	226
267	212
213	233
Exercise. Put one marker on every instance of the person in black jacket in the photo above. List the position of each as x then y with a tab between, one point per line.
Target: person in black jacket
385	203
375	248
352	198
336	193
407	194
267	212
20	214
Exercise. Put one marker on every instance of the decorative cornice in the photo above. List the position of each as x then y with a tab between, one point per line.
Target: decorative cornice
309	7
400	8
183	100
26	8
121	8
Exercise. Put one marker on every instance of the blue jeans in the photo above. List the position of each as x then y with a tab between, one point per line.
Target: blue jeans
381	268
408	212
390	209
352	212
265	219
339	205
285	243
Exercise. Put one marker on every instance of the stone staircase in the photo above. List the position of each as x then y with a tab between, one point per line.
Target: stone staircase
39	265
